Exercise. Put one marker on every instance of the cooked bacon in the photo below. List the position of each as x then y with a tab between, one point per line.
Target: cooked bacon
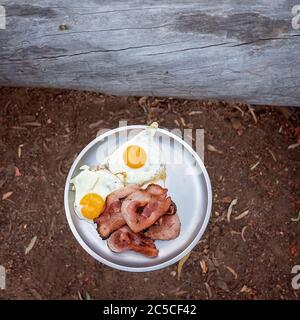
112	219
149	209
156	189
142	208
166	228
124	239
172	209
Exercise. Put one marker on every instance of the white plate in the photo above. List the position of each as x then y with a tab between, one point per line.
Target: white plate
188	184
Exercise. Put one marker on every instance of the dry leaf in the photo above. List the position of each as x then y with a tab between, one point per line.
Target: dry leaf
293	146
212	148
179	293
7	195
17	172
243	233
143	104
80	295
232	271
226	199
240	110
31	124
181	263
233	232
297	218
142	100
251	110
192	113
182	121
88	297
208	289
293	248
85	296
272	154
203	266
96	124
255	165
31	245
242	215
232	204
246	289
237	125
20	150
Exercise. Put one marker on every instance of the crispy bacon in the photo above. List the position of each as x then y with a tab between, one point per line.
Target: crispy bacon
166	228
143	208
149	210
172	209
156	189
124	239
112	219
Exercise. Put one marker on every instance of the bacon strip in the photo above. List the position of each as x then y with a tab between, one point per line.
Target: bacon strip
143	208
124	239
166	228
112	219
172	209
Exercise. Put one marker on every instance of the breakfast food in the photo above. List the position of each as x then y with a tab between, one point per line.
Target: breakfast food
135	216
124	239
112	219
91	189
143	207
166	228
121	197
139	160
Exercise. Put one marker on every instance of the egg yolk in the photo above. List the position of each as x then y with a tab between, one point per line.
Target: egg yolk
135	156
92	205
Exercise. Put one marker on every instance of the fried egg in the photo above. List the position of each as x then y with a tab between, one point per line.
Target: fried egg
91	189
139	160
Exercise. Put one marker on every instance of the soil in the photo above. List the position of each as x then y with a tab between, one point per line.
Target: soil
41	133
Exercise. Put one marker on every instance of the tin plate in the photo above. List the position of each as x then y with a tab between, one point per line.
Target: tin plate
188	184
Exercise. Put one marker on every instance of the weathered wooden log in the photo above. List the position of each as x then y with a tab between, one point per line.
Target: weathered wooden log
225	49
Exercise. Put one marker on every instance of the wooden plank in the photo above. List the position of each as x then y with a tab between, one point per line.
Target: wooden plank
228	49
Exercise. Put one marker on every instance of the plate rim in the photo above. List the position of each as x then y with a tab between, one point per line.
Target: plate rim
162	265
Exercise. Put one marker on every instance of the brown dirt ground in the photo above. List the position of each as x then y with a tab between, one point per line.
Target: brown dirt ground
54	125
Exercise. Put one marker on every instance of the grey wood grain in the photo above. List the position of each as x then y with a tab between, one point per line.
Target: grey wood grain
226	49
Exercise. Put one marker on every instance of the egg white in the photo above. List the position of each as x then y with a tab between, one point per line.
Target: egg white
154	166
101	182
